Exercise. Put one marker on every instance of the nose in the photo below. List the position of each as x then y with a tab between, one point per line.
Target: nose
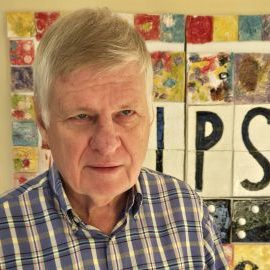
105	138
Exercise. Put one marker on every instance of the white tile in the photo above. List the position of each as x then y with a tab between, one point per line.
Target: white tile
247	167
224	112
258	131
150	159
216	173
173	163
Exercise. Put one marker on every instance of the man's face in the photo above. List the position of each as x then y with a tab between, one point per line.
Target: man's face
99	129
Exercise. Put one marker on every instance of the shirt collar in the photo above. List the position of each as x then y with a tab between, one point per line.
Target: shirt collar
55	181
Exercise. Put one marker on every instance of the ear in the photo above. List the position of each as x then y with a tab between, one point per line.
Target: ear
42	127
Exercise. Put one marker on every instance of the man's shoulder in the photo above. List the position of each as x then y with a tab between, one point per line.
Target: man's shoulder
31	186
161	183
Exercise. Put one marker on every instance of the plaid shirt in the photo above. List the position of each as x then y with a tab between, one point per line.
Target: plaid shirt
165	226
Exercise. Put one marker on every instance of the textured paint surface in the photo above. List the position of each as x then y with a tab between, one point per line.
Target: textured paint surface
21	178
222	217
21	78
25	159
228	251
148	26
250	28
20	24
252	78
22	107
43	20
209	78
257	227
199	29
169	76
24	133
21	52
172	28
266	27
250	255
225	28
160	128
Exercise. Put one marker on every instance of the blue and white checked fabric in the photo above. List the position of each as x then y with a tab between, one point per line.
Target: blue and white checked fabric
165	226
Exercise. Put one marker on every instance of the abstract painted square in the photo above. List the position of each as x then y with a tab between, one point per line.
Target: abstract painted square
24	133
228	252
21	178
20	24
169	76
209	78
225	28
25	159
199	29
251	221
21	52
250	28
251	256
252	78
22	107
148	26
172	28
43	20
21	78
45	159
220	211
266	27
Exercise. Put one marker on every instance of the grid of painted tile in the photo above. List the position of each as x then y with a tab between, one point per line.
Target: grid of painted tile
25	29
223	91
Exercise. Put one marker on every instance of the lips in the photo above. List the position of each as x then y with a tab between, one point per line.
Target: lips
104	168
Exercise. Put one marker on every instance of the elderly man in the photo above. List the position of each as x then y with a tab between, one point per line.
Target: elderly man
97	208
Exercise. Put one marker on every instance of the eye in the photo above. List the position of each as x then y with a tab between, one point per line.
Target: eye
127	112
82	116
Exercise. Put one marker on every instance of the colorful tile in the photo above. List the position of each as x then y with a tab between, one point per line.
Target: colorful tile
21	78
220	211
43	20
25	159
251	174
228	251
45	159
251	221
266	27
252	256
148	26
20	24
199	29
208	171
251	78
250	28
225	28
210	127
21	178
21	52
172	28
169	76
22	107
209	78
251	126
24	133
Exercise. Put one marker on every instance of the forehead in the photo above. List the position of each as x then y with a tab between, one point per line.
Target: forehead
89	84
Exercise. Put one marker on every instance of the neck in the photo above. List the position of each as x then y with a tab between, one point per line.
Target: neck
101	214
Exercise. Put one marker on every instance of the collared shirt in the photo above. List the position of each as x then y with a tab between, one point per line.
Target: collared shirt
165	226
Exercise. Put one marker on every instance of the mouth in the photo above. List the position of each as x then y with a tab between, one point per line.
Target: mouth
105	169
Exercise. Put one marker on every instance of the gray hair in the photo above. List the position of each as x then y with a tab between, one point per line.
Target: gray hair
87	37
